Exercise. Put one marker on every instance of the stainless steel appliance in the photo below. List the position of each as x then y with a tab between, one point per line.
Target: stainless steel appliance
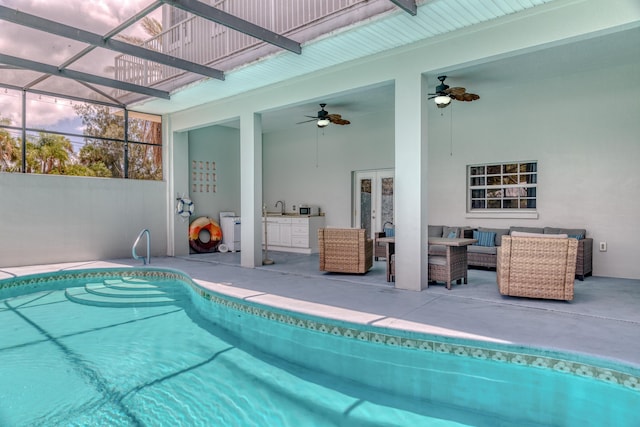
308	210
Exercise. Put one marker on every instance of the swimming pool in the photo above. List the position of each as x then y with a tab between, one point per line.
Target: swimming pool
150	347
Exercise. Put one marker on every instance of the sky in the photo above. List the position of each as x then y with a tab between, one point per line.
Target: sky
96	16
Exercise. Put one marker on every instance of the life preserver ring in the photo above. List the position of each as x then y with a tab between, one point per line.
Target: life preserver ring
185	207
215	233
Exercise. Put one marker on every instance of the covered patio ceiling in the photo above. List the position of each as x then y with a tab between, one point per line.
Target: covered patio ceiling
68	48
56	50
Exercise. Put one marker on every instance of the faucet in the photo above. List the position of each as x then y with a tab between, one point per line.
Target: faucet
281	206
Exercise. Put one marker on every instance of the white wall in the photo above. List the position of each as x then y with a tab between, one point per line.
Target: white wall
585	142
314	166
581	128
222	145
49	218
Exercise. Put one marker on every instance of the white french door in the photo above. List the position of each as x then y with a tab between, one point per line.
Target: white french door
373	199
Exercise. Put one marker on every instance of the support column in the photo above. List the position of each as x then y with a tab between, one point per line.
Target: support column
411	261
251	189
178	178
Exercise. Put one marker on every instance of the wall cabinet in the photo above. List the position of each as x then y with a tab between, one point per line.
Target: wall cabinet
293	233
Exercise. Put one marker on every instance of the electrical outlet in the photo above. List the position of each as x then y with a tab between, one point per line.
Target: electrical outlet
603	246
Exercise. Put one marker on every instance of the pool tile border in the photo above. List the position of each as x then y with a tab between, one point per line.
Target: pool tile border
534	361
380	336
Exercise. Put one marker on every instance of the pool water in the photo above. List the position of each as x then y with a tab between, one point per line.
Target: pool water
157	351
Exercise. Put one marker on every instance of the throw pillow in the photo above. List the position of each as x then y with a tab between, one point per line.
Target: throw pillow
576	236
452	235
484	238
446	231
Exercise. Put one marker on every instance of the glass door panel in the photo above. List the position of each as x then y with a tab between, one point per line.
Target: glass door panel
373	196
367	211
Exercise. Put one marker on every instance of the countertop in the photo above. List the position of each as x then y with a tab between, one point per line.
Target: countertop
289	215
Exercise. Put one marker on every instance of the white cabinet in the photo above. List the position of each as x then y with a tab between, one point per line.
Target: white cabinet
300	233
278	231
293	233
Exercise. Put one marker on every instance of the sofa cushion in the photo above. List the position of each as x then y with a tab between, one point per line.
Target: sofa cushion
547	236
438	260
578	233
435	230
499	233
485	238
491	250
539	230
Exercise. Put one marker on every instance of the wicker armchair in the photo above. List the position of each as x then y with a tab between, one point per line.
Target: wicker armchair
345	250
537	267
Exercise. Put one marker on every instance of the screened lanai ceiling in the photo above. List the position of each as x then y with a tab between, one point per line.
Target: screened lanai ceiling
122	52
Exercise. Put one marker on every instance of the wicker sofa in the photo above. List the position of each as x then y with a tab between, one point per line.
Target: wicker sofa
345	250
537	266
485	255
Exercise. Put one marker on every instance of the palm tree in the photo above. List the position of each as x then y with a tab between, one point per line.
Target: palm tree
145	130
49	154
9	149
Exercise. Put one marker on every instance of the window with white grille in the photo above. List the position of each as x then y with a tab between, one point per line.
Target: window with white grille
502	186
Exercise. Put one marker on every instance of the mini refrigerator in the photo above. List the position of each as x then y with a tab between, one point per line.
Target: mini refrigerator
230	225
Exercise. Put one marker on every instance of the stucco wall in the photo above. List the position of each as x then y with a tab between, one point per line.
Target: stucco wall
49	219
314	166
581	126
584	140
582	129
222	145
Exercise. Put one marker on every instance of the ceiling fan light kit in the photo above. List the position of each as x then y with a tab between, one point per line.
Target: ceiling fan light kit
323	123
323	118
444	94
442	101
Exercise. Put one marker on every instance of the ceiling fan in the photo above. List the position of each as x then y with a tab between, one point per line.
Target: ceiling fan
324	118
444	94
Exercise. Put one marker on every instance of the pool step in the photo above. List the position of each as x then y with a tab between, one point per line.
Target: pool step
124	293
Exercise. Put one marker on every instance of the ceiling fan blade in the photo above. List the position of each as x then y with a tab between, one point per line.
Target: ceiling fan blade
435	95
337	119
456	90
307	121
469	97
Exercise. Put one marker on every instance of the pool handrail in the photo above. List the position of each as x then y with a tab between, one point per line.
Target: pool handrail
147	258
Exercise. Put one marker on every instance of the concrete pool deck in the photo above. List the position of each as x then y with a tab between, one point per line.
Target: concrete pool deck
602	320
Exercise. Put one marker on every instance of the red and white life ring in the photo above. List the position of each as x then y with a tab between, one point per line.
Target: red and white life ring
215	234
